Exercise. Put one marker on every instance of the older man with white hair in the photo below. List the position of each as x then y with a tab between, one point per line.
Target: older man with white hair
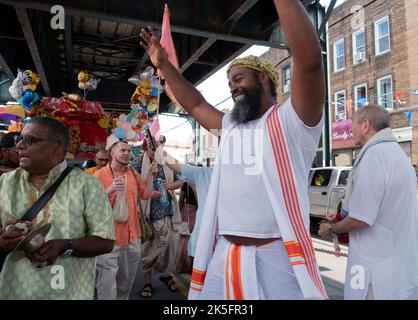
380	206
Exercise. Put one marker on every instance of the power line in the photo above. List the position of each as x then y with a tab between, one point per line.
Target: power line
222	101
175	126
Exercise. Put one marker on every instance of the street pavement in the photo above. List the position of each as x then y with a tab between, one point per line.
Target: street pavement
332	271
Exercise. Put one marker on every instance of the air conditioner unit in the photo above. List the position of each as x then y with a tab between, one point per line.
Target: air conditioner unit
286	88
360	57
339	116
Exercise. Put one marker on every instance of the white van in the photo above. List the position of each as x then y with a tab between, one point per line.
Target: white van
326	190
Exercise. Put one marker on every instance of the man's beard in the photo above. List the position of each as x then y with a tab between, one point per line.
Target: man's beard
247	109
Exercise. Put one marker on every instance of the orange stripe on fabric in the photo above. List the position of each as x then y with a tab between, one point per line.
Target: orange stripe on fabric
227	274
236	272
195	289
295	216
198	277
294	249
303	238
198	271
297	262
305	241
289	193
293	201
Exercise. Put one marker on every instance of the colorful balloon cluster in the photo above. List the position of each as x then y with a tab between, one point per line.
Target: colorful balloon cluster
23	88
131	126
87	81
147	91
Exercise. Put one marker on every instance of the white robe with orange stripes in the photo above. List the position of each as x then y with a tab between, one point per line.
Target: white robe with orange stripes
288	151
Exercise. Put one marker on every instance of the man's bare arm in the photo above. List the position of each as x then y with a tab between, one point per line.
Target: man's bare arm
162	157
308	79
184	92
347	225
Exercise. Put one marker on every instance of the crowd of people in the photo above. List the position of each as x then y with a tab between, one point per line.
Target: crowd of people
241	226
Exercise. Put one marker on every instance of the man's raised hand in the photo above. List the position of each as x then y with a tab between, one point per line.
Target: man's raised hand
153	47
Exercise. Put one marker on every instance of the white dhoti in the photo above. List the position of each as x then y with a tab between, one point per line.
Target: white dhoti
250	273
269	271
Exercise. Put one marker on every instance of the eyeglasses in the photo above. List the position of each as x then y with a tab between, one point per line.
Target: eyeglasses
29	140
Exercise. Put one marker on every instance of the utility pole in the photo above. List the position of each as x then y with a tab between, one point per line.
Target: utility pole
318	15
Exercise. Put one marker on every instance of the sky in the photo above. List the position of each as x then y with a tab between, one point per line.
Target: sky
216	91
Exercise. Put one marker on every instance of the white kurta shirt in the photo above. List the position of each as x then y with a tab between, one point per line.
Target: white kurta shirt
244	208
386	253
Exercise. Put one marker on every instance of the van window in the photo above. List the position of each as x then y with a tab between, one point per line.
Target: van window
342	180
321	178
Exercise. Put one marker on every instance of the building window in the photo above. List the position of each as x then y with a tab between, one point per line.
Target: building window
382	36
385	92
286	79
340	106
339	55
359	47
360	96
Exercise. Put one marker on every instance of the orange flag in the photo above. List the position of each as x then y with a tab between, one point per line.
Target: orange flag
168	44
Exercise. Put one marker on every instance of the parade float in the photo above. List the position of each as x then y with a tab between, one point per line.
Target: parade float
88	124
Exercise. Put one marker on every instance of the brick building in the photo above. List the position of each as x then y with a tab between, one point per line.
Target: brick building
373	58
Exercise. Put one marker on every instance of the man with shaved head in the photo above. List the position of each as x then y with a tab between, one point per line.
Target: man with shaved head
124	187
102	159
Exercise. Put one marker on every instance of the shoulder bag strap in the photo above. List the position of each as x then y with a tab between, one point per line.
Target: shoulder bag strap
44	198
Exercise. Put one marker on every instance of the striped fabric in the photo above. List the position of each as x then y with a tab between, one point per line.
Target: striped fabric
280	183
301	251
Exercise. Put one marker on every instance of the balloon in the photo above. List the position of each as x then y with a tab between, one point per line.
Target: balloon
82	85
130	134
30	77
36	79
83	76
120	133
129	118
134	111
25	76
29	86
16	89
127	126
35	97
92	83
134	122
154	92
135	79
27	98
152	107
122	117
147	73
103	122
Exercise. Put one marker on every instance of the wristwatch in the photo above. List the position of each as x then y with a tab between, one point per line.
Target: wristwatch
69	251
